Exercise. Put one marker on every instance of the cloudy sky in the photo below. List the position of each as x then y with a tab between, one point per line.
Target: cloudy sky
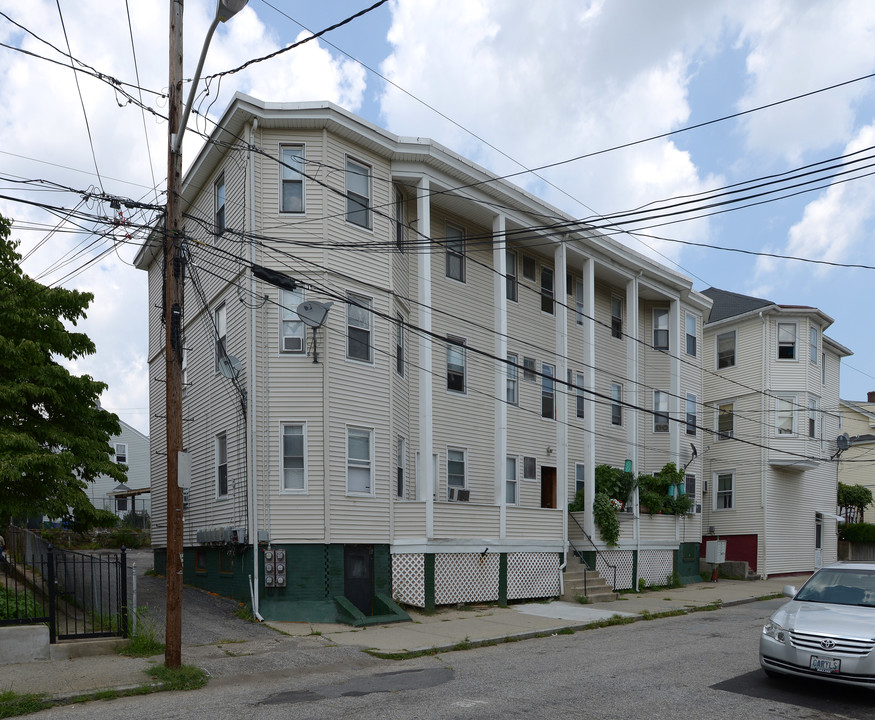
513	85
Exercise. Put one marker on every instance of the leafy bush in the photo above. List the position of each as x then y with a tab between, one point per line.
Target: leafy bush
857	532
606	518
579	502
16	607
614	483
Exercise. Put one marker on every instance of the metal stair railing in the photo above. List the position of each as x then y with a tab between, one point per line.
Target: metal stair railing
598	553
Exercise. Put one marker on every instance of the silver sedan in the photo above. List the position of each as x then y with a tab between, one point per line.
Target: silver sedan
827	630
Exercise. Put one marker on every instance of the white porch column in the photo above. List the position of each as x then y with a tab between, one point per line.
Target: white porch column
589	398
561	399
631	394
676	402
425	483
499	301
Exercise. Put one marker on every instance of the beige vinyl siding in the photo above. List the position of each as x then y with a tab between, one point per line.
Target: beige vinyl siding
456	414
534	523
610	367
409	519
157	338
465	520
659	528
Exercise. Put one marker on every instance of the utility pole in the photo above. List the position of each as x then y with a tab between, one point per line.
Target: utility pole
173	274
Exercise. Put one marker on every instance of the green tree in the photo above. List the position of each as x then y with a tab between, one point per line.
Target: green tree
852	500
54	436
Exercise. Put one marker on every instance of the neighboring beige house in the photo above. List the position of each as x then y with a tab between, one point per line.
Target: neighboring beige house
484	352
772	388
857	463
131	448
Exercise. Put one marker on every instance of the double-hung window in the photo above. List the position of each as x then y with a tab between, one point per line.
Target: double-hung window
358	193
581	398
358	328
455	244
660	411
456	462
294	458
121	453
690	324
400	464
812	418
220	204
400	342
359	461
292	330
529	374
510	275
579	477
786	341
726	350
548	392
221	334
221	450
400	238
513	385
660	328
692	421
616	404
812	343
785	415
547	303
510	481
530	468
578	300
725	421
292	178
456	364
529	267
616	316
724	498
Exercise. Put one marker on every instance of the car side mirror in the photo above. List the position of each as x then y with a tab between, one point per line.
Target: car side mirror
789	591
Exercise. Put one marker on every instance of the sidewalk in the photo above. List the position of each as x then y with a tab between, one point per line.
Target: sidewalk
443	630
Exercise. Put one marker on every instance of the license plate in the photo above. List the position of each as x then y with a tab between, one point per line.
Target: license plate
825	664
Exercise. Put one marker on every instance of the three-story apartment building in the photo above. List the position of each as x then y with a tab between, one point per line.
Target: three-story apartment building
483	352
772	391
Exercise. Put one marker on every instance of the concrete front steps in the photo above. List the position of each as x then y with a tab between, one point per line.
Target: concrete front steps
577	577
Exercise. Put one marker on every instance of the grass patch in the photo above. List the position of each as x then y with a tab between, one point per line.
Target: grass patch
185	677
12	703
144	642
771	596
243	612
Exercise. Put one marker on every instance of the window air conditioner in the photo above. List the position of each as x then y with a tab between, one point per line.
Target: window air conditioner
463	495
451	494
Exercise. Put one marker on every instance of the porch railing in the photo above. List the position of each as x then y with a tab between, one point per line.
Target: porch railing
599	554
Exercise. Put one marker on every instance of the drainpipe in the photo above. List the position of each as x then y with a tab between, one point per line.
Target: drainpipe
763	439
254	523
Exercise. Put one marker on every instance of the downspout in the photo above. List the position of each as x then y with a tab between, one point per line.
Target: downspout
763	439
254	523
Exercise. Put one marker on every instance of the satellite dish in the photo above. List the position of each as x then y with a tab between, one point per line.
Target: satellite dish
843	441
313	313
230	367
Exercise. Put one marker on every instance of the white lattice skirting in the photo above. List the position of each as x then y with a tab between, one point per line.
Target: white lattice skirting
655	566
472	577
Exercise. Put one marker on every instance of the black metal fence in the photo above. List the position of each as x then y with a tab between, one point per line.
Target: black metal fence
79	595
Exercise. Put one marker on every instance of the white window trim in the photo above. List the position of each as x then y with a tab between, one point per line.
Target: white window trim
813	348
512	376
369	226
548	377
217	464
220	316
124	452
528	259
512	275
661	312
578	302
778	344
716	490
619	300
545	293
791	399
811	431
366	303
400	223
400	452
618	402
462	255
717	349
282	170
220	182
694	334
461	344
400	345
529	478
370	431
691	398
717	430
515	480
287	300
580	395
282	483
576	466
660	401
464	486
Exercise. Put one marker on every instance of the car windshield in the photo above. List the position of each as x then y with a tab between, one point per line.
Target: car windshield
841	587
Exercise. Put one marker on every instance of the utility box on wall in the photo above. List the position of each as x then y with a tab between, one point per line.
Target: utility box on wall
715	552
